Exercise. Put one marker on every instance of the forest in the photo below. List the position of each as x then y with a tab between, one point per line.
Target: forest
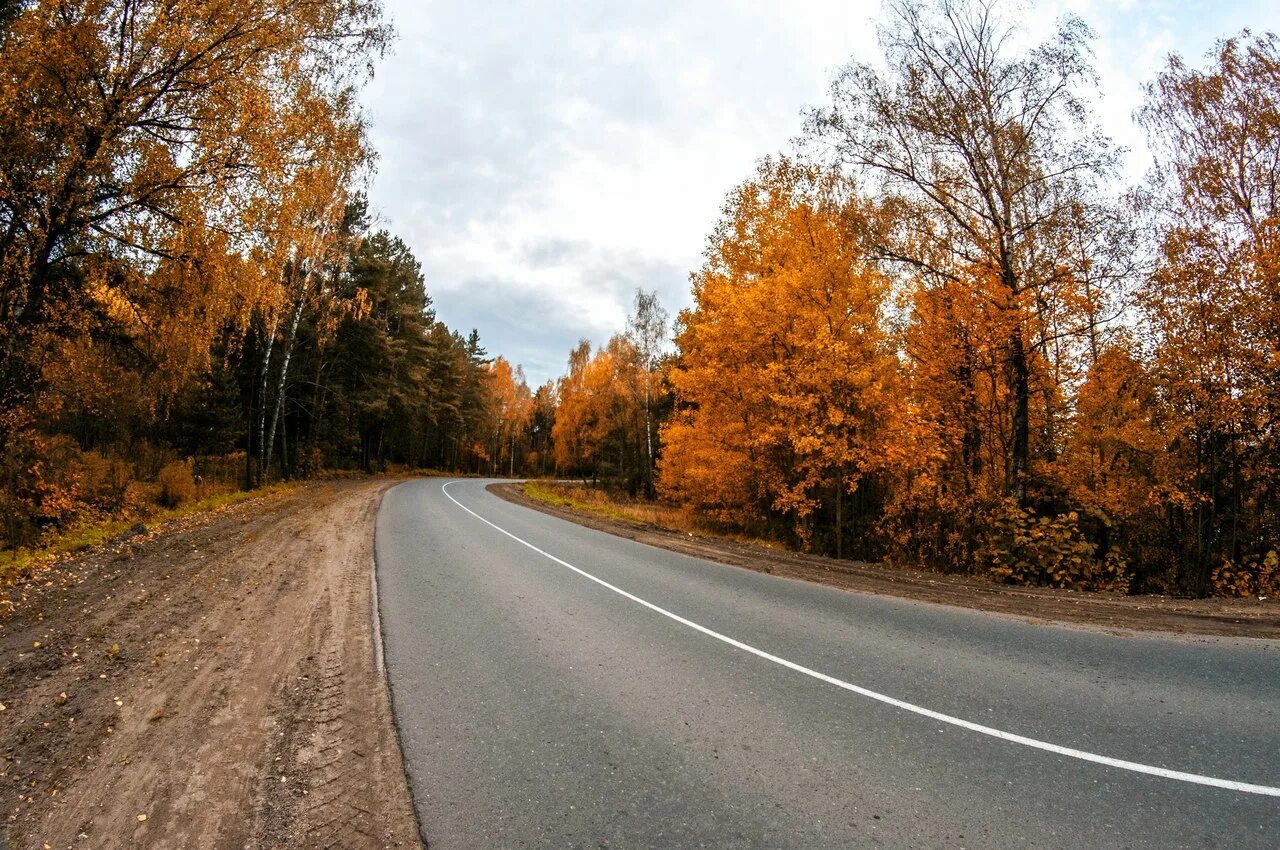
946	332
192	297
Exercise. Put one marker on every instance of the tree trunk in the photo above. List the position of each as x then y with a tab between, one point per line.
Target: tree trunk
285	472
648	437
840	517
268	344
1020	385
280	385
317	417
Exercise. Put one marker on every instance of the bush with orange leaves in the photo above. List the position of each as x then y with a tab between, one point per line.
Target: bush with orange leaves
1256	576
49	483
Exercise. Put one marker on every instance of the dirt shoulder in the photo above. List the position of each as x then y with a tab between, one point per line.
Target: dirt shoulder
213	684
1226	617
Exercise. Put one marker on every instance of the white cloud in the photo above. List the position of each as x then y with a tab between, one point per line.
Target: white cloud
544	159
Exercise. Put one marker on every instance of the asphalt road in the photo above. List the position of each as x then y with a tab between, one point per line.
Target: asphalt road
602	693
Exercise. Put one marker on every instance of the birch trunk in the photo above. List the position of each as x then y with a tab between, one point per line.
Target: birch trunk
268	345
284	375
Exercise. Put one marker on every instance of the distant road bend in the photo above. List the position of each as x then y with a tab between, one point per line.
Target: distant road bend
555	686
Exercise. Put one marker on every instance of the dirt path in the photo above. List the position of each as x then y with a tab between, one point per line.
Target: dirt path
212	685
1228	617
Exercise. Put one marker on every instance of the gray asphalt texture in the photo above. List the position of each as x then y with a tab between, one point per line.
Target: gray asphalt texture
537	708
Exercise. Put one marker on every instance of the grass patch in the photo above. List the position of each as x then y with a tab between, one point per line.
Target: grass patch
221	500
17	564
589	500
395	470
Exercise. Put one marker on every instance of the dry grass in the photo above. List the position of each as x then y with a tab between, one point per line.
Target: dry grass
17	564
578	497
398	470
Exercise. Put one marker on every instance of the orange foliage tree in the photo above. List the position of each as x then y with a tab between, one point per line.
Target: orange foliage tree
1011	367
170	174
511	413
785	373
1212	307
986	357
599	417
158	160
1002	240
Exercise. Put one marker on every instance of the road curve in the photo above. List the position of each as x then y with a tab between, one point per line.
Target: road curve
556	686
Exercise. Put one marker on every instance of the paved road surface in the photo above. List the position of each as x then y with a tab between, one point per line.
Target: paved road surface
539	706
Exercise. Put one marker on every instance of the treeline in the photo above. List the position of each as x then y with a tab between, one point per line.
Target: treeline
610	403
948	334
364	377
190	297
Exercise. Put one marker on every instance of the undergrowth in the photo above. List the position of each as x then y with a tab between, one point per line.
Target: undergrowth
601	503
17	564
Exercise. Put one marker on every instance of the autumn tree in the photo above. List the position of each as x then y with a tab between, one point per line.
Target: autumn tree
785	371
647	331
156	161
381	383
169	178
1115	461
599	418
1212	307
319	240
987	155
188	281
511	411
574	451
985	353
542	420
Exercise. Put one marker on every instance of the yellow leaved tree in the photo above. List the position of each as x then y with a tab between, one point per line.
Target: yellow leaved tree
785	375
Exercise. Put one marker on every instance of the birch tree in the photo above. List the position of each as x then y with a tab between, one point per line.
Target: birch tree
985	149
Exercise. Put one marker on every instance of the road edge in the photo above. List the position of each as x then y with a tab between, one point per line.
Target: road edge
1113	615
380	649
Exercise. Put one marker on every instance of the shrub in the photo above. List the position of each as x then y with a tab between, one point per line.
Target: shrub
1022	548
140	498
1255	577
49	483
177	485
103	481
220	469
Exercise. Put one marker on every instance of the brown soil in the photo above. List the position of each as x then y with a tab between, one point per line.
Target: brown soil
213	684
1228	617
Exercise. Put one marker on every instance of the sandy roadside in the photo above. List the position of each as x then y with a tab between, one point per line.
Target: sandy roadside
1110	612
211	685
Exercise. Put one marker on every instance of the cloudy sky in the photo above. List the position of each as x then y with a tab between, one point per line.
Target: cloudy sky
544	159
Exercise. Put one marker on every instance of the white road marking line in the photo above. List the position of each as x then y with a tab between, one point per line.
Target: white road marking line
1136	767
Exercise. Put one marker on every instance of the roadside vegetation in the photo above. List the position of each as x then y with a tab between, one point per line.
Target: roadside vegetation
193	301
615	505
17	564
944	332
